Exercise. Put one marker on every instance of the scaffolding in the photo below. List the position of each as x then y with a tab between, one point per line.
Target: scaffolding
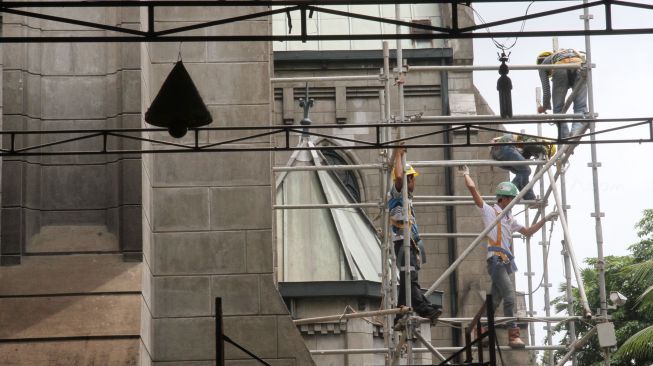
384	141
393	343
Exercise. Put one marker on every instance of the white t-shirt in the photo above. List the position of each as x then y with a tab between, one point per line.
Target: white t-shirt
508	226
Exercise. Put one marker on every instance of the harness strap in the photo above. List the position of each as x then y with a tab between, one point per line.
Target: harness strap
497	244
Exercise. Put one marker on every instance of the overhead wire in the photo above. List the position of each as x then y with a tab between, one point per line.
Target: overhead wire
498	44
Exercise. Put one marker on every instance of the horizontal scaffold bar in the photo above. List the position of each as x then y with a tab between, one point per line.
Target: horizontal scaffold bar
426	350
327	78
325	205
326	167
455	163
360	314
454	68
454	235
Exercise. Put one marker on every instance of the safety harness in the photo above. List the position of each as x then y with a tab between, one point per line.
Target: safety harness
495	246
417	247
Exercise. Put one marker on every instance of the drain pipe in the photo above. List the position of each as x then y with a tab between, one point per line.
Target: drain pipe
450	209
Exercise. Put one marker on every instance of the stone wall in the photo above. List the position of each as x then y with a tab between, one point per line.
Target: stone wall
69	86
207	222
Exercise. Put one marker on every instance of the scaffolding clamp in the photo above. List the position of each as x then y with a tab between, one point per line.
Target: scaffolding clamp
594	165
601	214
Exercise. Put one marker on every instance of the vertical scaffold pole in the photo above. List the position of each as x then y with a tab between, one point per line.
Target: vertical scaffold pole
571	325
388	281
600	264
529	277
404	191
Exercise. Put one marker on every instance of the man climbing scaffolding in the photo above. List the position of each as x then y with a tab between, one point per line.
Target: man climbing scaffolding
510	147
562	80
398	218
500	260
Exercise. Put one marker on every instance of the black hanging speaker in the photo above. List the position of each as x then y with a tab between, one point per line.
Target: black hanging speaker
504	86
178	106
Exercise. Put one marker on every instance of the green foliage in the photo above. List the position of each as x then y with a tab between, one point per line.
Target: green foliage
633	277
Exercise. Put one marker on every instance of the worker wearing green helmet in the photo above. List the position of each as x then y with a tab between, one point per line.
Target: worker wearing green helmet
500	260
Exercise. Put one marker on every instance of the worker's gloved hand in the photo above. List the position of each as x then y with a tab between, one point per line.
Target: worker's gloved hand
463	170
551	216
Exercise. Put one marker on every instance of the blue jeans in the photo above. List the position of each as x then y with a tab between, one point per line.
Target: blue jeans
522	172
563	80
502	288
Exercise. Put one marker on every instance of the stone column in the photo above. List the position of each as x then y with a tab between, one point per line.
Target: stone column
207	223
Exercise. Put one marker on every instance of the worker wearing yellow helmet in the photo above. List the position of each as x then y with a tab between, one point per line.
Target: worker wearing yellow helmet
398	219
500	260
562	80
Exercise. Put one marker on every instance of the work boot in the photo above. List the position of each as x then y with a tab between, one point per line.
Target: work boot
434	315
514	341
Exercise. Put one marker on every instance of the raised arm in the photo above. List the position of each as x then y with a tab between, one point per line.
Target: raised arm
397	157
471	186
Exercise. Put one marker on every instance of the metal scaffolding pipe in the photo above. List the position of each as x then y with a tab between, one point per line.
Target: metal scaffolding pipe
359	351
360	314
435	163
487	199
529	275
456	235
327	78
517	319
325	205
386	258
576	346
428	345
499	217
460	68
516	118
404	191
569	247
326	167
460	203
455	163
571	326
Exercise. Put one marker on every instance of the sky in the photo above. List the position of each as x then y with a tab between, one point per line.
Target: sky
622	81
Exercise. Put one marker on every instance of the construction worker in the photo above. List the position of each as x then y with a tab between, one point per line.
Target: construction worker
563	80
519	152
500	260
398	218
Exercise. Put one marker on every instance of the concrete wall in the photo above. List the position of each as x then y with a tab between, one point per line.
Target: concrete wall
323	23
207	218
64	87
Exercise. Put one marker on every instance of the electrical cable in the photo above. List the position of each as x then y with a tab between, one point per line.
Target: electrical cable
498	44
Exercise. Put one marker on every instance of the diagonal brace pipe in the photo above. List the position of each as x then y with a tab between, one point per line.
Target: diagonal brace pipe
570	249
481	237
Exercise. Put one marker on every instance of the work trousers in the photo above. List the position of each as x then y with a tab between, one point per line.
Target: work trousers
563	80
419	303
522	172
502	287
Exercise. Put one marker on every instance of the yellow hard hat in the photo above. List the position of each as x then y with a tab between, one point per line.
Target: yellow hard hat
542	56
551	150
409	171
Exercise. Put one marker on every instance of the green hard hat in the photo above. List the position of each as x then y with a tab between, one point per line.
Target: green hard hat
507	189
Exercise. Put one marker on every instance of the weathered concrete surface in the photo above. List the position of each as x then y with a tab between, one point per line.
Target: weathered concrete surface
122	352
70	274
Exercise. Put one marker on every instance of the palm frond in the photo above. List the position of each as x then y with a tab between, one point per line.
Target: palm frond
646	298
639	346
